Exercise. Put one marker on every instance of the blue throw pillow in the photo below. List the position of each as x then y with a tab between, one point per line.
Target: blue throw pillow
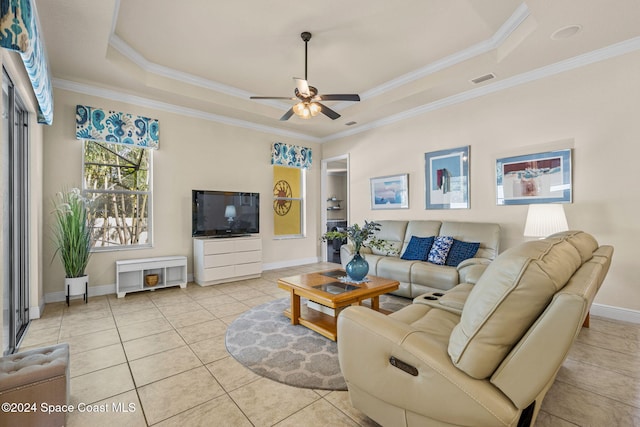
417	248
440	250
461	251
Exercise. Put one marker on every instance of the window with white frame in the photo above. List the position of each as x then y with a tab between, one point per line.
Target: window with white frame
117	184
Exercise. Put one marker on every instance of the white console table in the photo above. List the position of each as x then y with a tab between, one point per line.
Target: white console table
172	271
219	260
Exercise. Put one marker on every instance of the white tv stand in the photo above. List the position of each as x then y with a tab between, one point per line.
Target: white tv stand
130	273
226	259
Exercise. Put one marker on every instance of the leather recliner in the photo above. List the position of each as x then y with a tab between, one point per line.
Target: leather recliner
481	354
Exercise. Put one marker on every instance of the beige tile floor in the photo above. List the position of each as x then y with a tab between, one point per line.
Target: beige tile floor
161	355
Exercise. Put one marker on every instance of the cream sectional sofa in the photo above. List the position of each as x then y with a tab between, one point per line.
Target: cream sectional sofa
418	277
477	355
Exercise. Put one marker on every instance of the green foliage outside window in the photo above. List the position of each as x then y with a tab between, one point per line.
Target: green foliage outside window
117	181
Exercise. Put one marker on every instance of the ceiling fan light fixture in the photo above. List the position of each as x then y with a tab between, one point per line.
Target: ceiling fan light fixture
302	110
306	110
298	109
314	109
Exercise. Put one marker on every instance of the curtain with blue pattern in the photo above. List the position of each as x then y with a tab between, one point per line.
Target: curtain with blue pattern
20	31
293	156
96	124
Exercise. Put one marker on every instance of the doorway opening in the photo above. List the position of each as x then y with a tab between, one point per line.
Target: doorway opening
335	202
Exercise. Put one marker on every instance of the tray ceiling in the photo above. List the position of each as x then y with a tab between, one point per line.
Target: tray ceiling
206	58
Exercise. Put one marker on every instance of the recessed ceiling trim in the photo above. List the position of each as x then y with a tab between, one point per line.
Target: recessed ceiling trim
134	56
114	20
510	25
602	54
176	109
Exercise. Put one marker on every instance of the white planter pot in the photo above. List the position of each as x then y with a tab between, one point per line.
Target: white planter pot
76	286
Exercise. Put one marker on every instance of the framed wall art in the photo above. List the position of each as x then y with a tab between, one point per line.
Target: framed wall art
447	179
534	178
390	192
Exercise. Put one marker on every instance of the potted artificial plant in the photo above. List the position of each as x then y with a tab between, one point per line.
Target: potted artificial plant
364	236
72	238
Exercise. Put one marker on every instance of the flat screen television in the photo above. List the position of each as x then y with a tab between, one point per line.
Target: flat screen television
225	213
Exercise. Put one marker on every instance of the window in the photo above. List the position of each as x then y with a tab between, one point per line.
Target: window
288	201
117	184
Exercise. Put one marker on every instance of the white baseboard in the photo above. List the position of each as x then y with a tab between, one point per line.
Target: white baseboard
291	263
94	291
36	311
607	311
615	313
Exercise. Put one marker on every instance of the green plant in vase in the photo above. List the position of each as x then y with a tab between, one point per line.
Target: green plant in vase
72	239
360	236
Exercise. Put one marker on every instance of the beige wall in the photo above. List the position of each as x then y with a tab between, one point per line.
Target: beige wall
194	154
593	110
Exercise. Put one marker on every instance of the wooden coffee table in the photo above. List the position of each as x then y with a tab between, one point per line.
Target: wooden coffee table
326	288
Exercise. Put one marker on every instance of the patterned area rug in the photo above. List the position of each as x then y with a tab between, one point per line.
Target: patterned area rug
265	341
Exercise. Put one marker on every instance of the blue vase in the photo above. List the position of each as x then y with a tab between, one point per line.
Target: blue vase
357	268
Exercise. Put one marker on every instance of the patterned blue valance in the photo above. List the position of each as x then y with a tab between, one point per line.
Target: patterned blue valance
19	30
290	155
96	124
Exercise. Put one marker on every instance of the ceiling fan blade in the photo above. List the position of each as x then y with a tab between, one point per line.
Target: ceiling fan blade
338	97
328	111
287	115
303	86
272	97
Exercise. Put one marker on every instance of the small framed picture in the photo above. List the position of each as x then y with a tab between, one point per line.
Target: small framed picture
390	192
534	178
447	179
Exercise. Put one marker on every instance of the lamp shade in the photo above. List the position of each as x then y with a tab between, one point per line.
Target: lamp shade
230	211
544	220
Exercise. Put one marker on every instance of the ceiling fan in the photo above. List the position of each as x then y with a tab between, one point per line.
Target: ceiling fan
307	96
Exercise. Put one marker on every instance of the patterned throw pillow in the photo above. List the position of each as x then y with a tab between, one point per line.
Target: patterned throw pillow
440	250
460	251
417	248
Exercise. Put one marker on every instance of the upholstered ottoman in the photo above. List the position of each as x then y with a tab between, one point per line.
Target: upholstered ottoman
31	378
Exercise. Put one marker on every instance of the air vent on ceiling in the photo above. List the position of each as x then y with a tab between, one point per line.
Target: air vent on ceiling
483	78
350	123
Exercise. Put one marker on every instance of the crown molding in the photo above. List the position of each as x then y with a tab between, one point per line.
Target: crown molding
608	52
588	58
510	25
176	109
520	14
134	56
114	20
151	67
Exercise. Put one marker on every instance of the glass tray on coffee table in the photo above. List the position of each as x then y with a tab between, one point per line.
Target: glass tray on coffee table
323	288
